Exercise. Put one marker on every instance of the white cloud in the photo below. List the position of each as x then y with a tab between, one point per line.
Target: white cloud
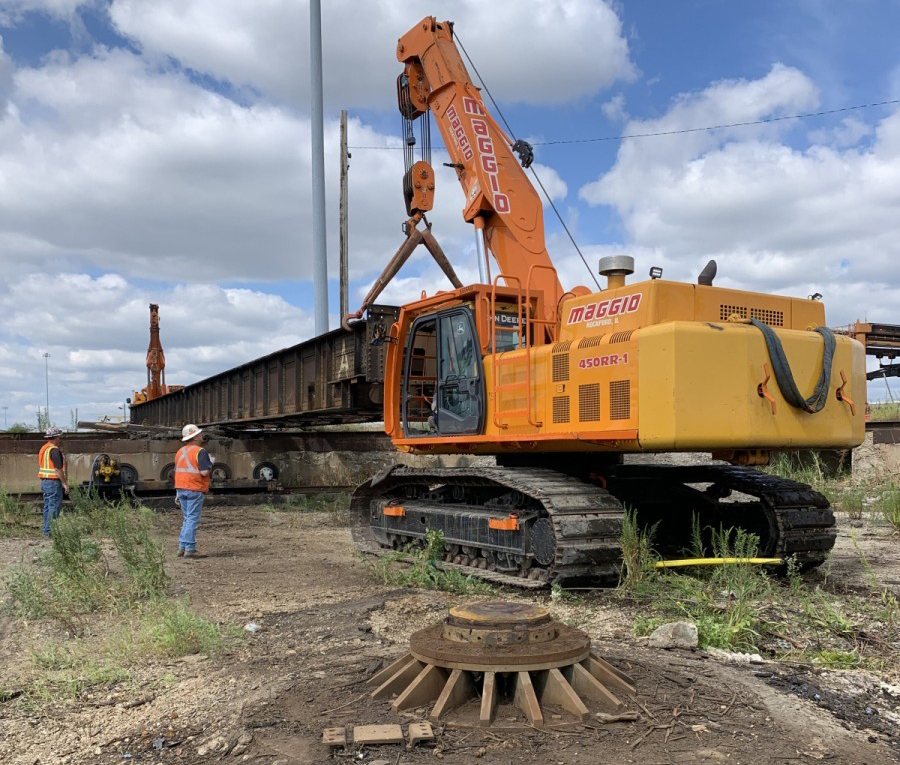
575	47
777	218
96	331
112	161
614	109
848	133
552	181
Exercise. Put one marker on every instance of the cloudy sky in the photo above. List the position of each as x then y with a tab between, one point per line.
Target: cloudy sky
159	152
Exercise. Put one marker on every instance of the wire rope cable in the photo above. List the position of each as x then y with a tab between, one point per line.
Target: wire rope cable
533	171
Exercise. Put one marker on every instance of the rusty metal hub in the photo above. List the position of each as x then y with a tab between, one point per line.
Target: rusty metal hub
496	652
499	623
500	637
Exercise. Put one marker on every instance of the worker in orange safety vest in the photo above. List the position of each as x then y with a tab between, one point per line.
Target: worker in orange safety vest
52	472
192	468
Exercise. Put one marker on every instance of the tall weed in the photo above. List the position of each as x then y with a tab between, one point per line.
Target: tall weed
16	517
885	411
889	505
725	602
811	470
143	556
638	558
74	578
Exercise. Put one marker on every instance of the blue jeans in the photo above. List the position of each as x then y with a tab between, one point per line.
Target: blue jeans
191	507
53	497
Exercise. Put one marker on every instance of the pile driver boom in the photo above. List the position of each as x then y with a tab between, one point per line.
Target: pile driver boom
156	364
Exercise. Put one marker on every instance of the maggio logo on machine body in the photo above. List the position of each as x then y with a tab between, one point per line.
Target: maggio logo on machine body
605	308
485	145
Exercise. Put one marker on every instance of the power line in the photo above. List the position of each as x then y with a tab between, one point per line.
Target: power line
720	127
656	134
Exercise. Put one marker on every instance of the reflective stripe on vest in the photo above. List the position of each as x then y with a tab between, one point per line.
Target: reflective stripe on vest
45	464
187	469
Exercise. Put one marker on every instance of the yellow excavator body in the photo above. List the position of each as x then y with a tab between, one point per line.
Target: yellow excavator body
651	366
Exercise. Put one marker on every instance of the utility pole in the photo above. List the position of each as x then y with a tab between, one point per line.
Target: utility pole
5	423
345	241
47	379
317	119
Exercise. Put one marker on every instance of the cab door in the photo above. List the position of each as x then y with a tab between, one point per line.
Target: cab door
443	377
459	406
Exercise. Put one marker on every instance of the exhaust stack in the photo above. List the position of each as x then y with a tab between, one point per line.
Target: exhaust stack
615	268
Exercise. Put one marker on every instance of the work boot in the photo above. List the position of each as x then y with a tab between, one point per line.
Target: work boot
192	554
180	552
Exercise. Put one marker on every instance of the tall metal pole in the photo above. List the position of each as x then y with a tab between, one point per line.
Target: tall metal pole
5	422
345	241
320	254
47	379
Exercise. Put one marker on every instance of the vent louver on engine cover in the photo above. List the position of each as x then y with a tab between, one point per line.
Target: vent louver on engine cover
591	341
561	361
765	315
621	337
560	367
560	409
589	402
620	400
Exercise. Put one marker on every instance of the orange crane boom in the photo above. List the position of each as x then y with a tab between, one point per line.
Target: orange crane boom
499	198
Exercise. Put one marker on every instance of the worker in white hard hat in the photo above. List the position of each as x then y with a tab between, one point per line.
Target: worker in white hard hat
192	468
52	472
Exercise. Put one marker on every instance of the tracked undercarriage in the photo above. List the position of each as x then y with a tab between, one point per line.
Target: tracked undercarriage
535	526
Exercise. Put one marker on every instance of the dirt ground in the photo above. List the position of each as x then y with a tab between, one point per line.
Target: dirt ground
325	625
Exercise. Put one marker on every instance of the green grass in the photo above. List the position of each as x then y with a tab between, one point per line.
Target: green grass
103	580
888	504
17	518
886	411
811	470
419	566
725	602
836	659
851	500
165	629
170	629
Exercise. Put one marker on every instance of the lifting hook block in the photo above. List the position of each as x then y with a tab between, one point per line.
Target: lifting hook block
842	396
763	391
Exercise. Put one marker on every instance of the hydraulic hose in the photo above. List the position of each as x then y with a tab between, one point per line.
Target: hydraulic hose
785	378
